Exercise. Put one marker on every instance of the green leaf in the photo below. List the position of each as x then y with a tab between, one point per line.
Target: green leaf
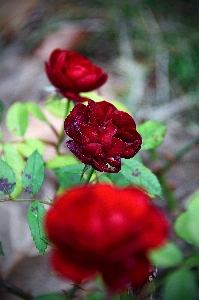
17	119
33	174
187	224
118	179
34	109
104	179
69	176
51	297
14	158
7	178
180	285
193	201
1	249
36	213
136	173
186	227
167	256
58	107
61	161
27	147
153	133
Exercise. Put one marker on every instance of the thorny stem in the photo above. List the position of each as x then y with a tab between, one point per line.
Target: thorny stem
25	200
15	290
61	135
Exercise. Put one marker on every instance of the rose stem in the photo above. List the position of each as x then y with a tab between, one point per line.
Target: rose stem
61	135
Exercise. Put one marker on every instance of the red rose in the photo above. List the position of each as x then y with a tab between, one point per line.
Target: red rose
107	230
71	73
101	135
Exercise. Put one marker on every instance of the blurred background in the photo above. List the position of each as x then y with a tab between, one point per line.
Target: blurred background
150	49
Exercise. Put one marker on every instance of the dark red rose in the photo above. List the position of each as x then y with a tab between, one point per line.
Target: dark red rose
107	230
101	135
71	73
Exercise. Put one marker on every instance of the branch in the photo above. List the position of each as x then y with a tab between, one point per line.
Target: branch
15	290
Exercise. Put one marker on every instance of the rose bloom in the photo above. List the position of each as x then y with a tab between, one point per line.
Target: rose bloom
101	135
71	73
102	229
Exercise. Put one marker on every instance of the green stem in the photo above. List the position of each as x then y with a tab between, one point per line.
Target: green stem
15	290
71	293
25	200
153	155
53	129
90	175
61	135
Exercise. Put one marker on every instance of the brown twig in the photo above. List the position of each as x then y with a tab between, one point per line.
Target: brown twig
4	285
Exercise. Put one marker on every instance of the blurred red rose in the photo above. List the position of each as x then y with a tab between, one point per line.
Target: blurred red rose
71	73
107	230
101	135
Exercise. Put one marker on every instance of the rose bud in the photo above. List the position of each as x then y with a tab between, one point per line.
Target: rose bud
101	135
72	73
102	229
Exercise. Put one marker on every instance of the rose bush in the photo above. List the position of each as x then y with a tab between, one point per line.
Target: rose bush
107	230
101	135
71	73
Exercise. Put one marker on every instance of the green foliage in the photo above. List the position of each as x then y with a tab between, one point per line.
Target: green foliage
58	108
34	109
169	255
12	156
61	161
17	119
153	133
7	178
134	172
187	224
33	174
180	285
36	212
140	175
70	176
29	145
